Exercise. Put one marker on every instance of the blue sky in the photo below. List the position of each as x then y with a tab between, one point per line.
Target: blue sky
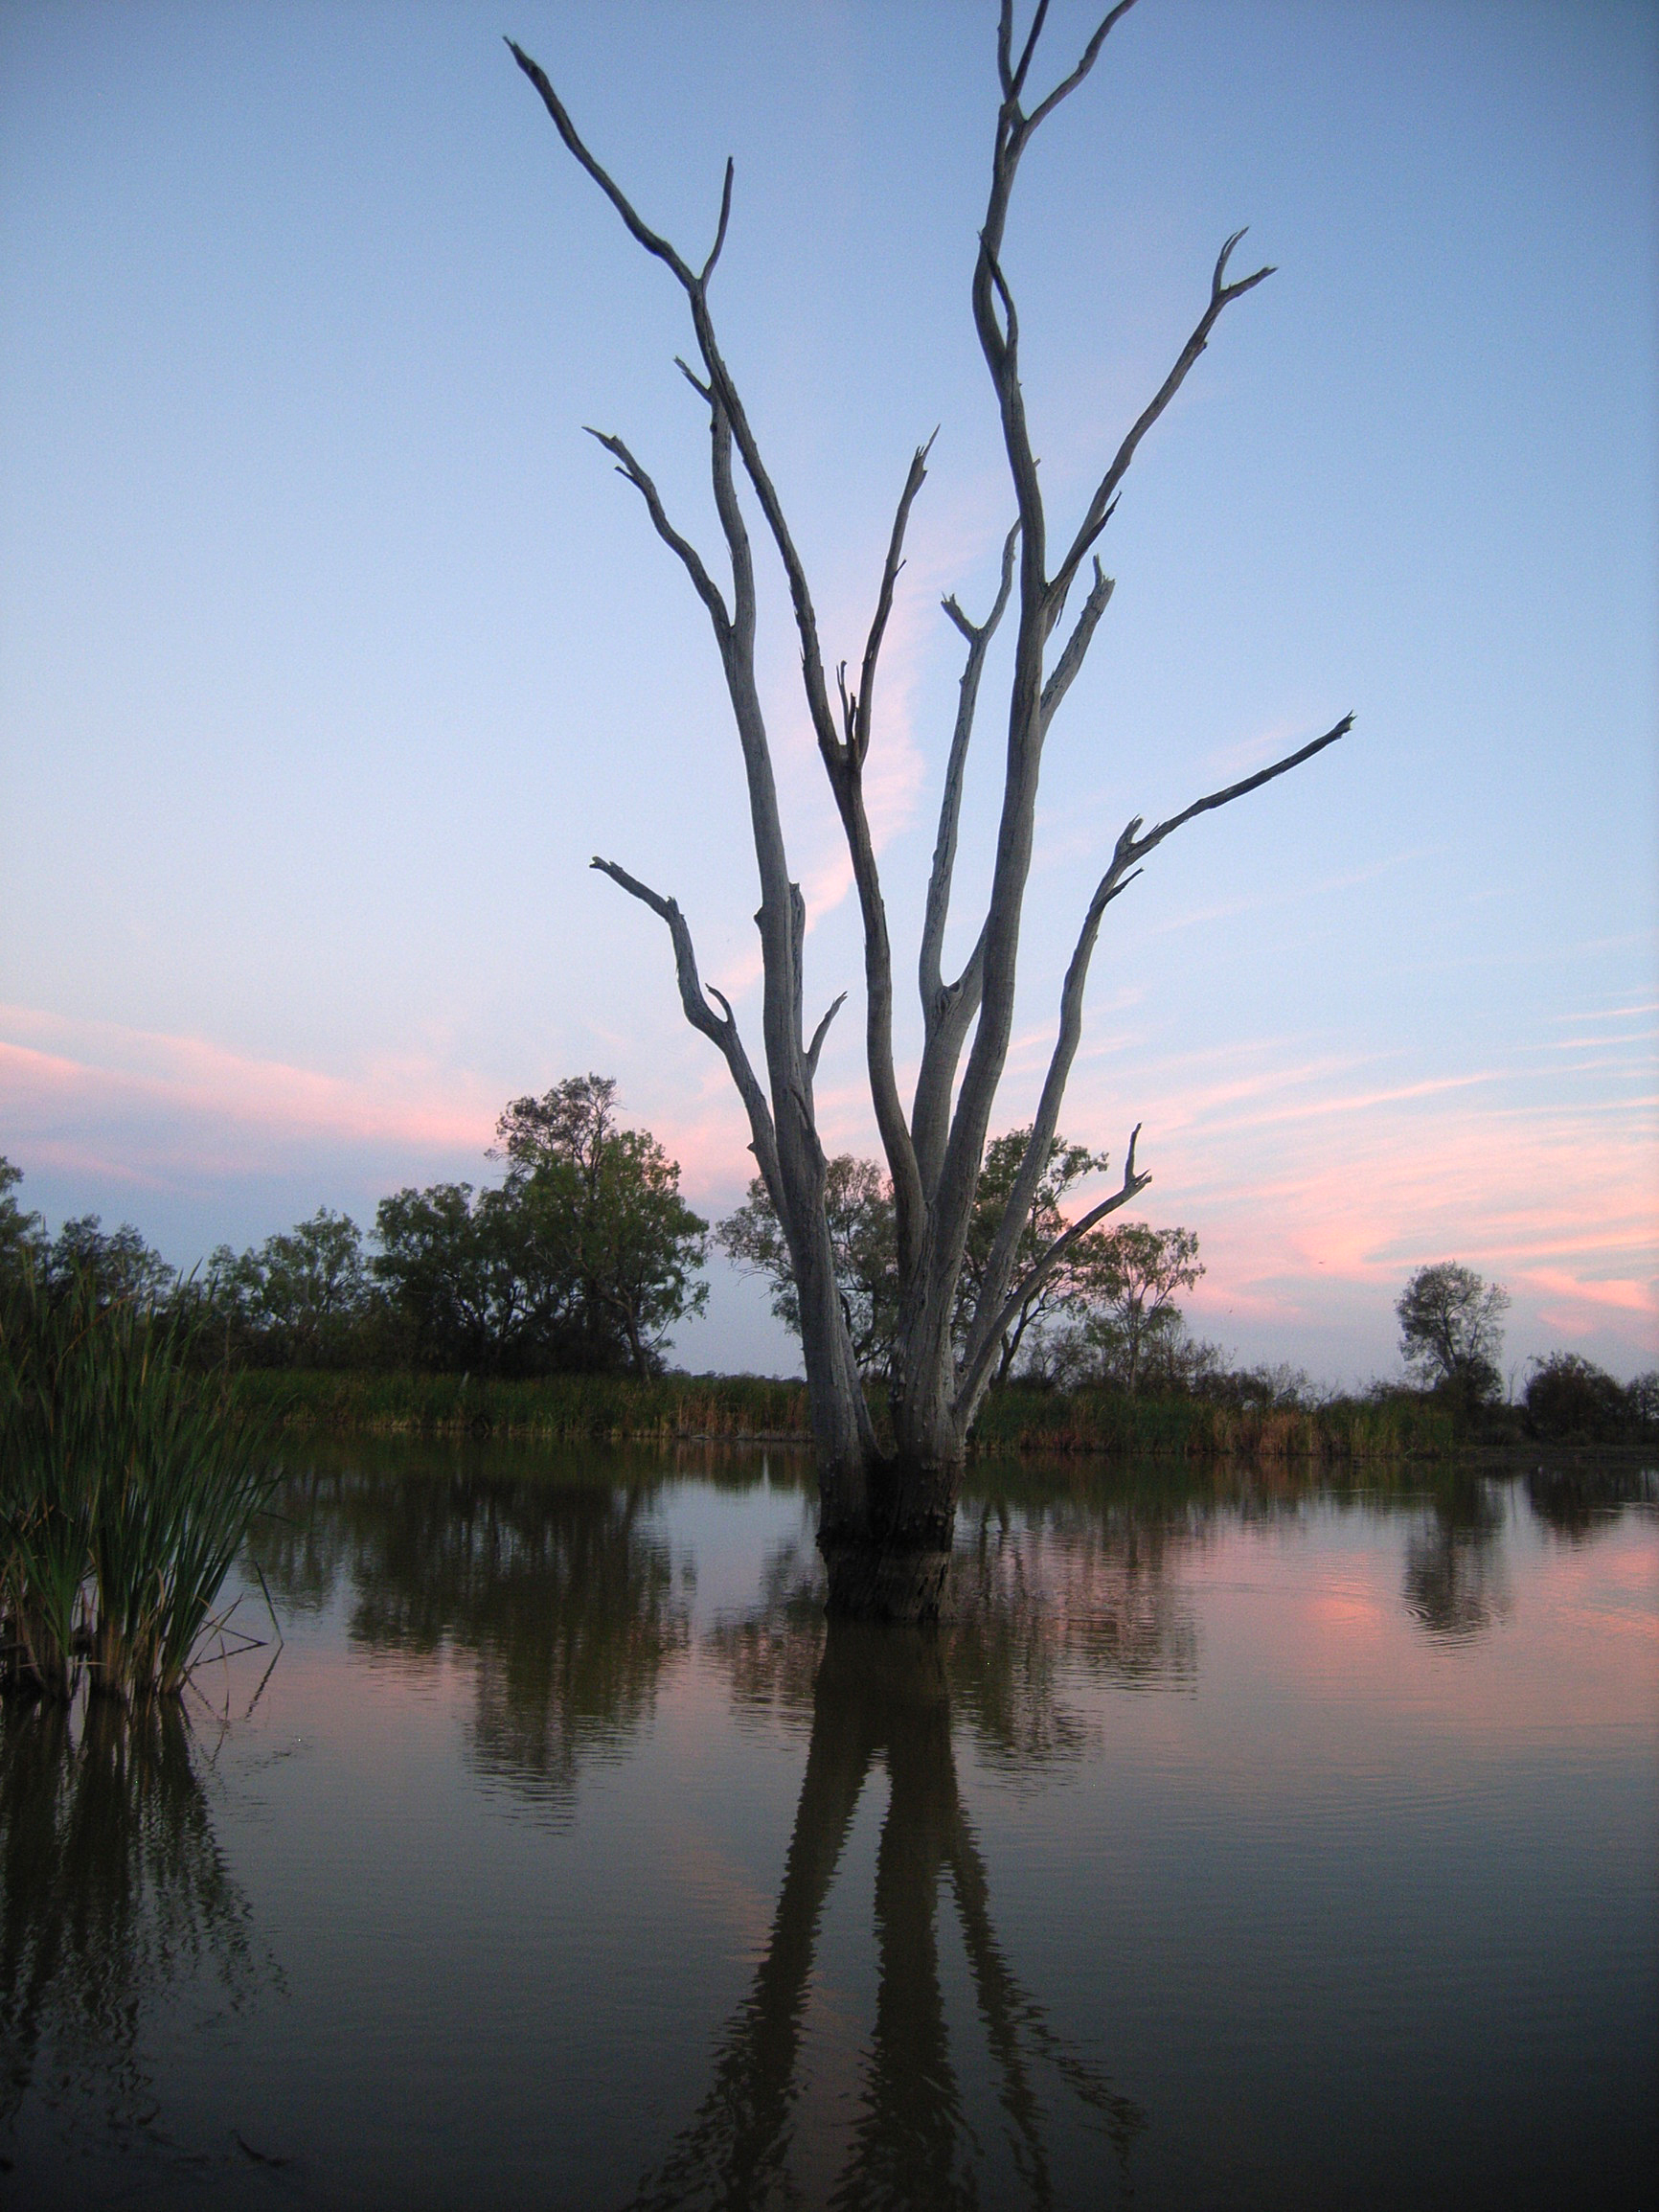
330	648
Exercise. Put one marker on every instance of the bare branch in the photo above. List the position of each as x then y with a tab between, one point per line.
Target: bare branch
1131	849
999	1265
693	996
1017	84
721	233
844	766
704	392
979	638
719	378
843	761
708	591
858	733
948	1013
1156	836
1076	645
720	1029
1221	296
567	130
821	1032
1091	54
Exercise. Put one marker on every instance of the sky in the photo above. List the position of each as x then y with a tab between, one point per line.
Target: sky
331	649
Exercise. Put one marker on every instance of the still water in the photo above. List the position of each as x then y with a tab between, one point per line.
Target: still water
1247	1842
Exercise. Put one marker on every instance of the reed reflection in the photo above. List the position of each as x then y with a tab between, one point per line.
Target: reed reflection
114	1895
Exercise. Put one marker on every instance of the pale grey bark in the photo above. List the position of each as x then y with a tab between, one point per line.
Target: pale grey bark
886	1520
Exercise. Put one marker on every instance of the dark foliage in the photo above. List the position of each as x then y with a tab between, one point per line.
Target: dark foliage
1569	1400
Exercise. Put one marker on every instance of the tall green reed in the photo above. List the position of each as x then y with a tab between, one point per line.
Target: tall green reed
128	1478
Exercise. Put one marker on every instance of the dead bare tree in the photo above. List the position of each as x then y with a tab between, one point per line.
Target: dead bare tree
886	1515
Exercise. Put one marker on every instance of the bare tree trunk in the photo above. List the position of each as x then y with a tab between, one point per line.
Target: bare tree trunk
887	1516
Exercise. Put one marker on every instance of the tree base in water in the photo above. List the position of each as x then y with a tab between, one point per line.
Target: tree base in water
874	1582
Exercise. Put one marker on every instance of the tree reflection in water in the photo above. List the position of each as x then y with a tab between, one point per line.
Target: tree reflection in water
1581	1500
113	1896
1029	1596
879	1694
560	1593
1456	1584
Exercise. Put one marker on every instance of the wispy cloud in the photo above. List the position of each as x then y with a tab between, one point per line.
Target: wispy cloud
56	1072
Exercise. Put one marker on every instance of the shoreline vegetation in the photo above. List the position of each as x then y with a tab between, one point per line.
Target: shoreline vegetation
130	1472
755	1410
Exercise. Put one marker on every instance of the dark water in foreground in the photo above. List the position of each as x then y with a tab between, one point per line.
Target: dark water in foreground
1244	1843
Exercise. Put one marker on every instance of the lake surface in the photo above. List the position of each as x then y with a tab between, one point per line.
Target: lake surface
1247	1842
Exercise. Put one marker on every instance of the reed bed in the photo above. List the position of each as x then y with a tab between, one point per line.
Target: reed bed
611	1409
128	1478
1333	1432
562	1408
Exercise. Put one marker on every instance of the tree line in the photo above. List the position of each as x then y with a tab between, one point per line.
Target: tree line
581	1260
584	1257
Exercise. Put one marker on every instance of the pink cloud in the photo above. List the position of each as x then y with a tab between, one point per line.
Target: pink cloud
71	1075
1628	1296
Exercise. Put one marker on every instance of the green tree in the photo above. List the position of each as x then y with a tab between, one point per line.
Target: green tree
1064	1288
605	1209
859	1206
299	1299
461	1278
1128	1278
864	1237
1451	1331
22	1235
118	1262
1569	1400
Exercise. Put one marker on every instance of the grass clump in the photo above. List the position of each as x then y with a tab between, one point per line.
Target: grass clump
128	1477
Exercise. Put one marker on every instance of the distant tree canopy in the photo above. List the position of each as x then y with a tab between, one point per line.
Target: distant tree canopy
583	1258
1127	1290
22	1235
609	1226
1451	1332
1569	1400
1094	1317
858	1208
299	1299
116	1262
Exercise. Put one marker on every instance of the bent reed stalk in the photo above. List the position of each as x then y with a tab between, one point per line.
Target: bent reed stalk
128	1478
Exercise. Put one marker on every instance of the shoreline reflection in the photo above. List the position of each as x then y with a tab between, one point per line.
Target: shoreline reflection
114	1897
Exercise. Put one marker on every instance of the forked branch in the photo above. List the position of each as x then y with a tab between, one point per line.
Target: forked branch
1131	849
641	231
1222	294
707	590
1091	55
720	1028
